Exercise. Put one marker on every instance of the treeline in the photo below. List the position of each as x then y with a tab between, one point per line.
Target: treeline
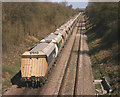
34	19
103	20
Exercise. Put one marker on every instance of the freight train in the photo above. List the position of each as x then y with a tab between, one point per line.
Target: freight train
36	62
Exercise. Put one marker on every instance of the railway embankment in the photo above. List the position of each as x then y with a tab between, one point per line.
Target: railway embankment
104	60
103	43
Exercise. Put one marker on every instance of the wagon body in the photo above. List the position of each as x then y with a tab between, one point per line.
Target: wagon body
56	39
64	31
36	62
62	34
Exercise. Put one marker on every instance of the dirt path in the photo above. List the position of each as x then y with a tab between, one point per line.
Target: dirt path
85	78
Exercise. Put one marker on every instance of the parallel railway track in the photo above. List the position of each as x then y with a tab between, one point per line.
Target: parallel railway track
68	85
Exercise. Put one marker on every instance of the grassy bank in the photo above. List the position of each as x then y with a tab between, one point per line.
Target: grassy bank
102	31
104	59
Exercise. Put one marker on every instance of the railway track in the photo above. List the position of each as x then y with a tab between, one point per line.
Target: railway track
77	79
68	85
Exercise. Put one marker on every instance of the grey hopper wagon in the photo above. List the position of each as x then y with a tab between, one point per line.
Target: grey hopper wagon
64	29
62	34
56	39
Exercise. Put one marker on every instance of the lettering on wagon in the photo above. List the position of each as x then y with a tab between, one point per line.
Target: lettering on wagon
35	52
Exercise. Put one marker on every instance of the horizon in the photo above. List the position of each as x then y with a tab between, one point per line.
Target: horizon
81	5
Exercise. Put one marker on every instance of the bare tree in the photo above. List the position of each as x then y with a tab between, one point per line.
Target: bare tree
63	3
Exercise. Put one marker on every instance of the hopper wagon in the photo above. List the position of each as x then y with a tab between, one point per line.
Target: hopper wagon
36	63
71	24
70	27
56	39
67	27
62	34
64	30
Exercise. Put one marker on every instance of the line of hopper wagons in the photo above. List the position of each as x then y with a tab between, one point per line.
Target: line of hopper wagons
37	61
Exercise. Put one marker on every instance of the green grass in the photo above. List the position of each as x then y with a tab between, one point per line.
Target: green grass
97	86
9	71
31	44
6	83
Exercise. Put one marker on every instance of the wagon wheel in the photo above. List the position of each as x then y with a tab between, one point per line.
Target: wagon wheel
40	84
33	84
26	84
30	84
43	81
